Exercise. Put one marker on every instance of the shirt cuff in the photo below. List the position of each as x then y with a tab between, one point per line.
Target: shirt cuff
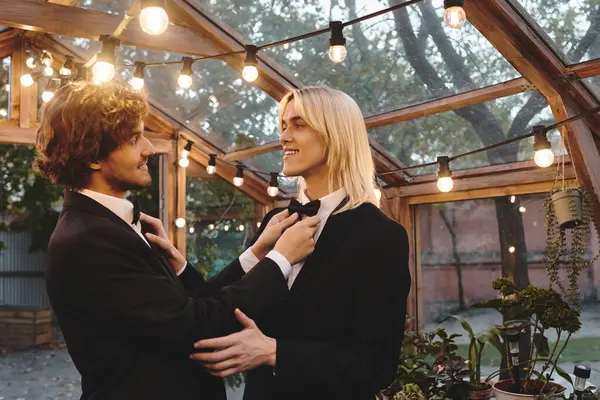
248	260
282	262
182	269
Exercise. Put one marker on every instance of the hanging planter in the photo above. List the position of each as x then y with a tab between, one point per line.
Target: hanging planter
567	208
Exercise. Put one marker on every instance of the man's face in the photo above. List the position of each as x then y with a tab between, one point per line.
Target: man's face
125	168
303	152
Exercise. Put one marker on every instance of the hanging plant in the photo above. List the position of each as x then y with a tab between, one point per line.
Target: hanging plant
569	213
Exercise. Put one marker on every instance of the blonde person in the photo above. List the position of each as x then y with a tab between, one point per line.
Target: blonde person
337	334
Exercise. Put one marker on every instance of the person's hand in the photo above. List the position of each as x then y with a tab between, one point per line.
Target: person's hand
237	352
156	234
272	232
298	242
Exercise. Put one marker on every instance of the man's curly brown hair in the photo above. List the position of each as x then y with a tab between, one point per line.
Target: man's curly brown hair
82	124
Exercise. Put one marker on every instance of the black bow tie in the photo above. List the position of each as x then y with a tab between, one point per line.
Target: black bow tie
136	212
308	209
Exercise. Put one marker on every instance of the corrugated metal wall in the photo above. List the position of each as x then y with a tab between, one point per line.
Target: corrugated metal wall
21	272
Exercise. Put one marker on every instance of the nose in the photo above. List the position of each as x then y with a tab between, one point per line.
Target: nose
148	150
284	137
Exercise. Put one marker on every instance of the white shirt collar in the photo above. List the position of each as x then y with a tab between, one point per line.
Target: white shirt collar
121	207
328	202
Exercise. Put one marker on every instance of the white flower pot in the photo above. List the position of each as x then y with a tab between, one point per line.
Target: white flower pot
561	201
501	391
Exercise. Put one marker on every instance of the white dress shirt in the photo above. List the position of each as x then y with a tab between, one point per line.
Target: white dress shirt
328	203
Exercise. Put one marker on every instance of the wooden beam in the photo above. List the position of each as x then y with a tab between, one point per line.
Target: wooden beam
180	233
518	42
252	152
584	70
584	152
15	82
28	98
383	162
12	134
450	103
84	23
486	193
479	178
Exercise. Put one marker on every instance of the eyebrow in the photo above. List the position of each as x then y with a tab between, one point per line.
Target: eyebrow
293	119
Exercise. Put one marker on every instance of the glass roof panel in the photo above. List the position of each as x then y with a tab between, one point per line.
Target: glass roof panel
272	162
570	26
395	60
594	84
118	7
456	132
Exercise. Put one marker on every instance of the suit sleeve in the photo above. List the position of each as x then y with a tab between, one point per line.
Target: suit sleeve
195	283
370	359
120	288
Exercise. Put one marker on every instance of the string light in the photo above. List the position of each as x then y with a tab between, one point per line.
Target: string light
543	157
154	19
31	62
48	71
192	230
512	199
211	168
67	68
241	228
50	89
104	69
137	82
28	80
46	58
211	226
522	209
273	189
238	180
378	194
454	16
184	162
180	222
250	71
337	42
511	249
185	77
444	182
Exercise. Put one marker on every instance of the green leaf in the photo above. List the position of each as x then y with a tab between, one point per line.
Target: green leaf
541	344
466	326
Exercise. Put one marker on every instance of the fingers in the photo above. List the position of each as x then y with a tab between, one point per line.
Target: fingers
244	319
226	373
282	215
289	221
160	242
215	356
154	222
312	221
218	343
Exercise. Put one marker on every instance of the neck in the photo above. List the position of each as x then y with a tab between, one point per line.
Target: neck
103	187
318	187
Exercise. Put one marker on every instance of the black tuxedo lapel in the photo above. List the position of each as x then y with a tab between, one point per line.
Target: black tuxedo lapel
86	204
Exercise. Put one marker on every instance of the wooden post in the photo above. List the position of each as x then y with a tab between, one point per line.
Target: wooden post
27	98
15	81
180	233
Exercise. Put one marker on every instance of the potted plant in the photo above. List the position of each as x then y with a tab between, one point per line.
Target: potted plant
546	311
569	212
479	389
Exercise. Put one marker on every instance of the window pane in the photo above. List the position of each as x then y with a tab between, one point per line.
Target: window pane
451	133
463	246
395	60
571	26
5	76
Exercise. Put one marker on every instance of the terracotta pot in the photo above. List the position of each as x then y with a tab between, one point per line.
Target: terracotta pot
483	394
566	217
501	390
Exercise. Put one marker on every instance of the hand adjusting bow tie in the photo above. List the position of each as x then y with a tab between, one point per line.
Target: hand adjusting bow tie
308	209
136	212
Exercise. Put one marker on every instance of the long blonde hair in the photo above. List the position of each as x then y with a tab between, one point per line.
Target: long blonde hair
341	126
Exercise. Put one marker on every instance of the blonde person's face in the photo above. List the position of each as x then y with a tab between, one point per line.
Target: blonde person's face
125	168
302	149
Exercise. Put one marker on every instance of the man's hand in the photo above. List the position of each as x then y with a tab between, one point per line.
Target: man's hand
238	352
157	235
272	232
298	242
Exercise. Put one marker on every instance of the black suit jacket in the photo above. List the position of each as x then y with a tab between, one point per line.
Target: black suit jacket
128	322
340	328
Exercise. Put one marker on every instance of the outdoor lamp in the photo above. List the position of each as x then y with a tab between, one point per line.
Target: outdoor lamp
337	42
273	189
250	71
239	177
104	68
137	83
444	182
154	19
212	164
582	374
185	77
454	16
67	67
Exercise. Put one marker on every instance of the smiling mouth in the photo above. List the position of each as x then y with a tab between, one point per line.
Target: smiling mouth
288	153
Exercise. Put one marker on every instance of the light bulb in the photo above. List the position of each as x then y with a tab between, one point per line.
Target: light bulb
103	72
192	230
455	17
258	224
511	249
27	80
48	71
154	20
31	62
47	96
445	184
377	194
273	191
544	158
250	73
211	169
512	199
226	228
137	83
211	226
180	222
237	181
65	71
337	54
241	228
47	60
3	113
7	87
522	209
184	81
184	162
